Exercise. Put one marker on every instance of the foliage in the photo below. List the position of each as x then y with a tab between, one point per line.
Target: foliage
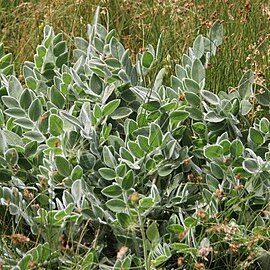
138	23
102	166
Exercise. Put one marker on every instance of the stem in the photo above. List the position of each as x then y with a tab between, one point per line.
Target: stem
147	266
133	232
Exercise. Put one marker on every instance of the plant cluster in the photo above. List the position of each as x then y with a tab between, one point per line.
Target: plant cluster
103	166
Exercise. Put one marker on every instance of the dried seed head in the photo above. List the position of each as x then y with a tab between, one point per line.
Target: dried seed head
182	235
19	238
122	252
219	193
181	98
251	256
238	187
190	177
32	264
238	176
234	247
201	214
198	179
180	261
134	197
199	266
204	251
27	194
226	160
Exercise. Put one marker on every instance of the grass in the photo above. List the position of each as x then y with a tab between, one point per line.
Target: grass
138	23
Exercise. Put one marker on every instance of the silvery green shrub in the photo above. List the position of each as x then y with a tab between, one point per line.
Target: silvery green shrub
103	166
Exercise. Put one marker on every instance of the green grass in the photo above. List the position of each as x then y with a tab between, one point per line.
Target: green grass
139	23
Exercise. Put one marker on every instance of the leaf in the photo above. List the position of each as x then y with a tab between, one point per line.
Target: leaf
213	117
178	116
193	99
251	165
183	248
11	156
262	95
123	219
96	84
128	180
77	190
152	233
146	203
56	125
236	148
107	174
14	87
15	112
59	48
108	158
213	151
121	112
31	83
34	136
97	111
156	136
24	122
264	125
197	71
212	183
195	114
165	170
147	59
143	143
245	85
199	128
71	119
216	34
135	149
110	107
63	166
5	175
255	136
216	170
126	155
116	205
30	148
159	79
245	107
210	97
180	72
35	110
116	48
76	173
191	86
112	191
87	160
57	98
10	102
87	260
198	46
176	228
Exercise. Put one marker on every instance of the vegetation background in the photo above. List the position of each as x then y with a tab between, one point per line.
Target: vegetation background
138	23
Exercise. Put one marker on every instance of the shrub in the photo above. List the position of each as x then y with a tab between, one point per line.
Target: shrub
102	166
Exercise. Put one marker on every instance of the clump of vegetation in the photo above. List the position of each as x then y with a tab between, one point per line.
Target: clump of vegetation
138	23
103	166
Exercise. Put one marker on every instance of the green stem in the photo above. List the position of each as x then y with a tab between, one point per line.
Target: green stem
147	265
133	232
